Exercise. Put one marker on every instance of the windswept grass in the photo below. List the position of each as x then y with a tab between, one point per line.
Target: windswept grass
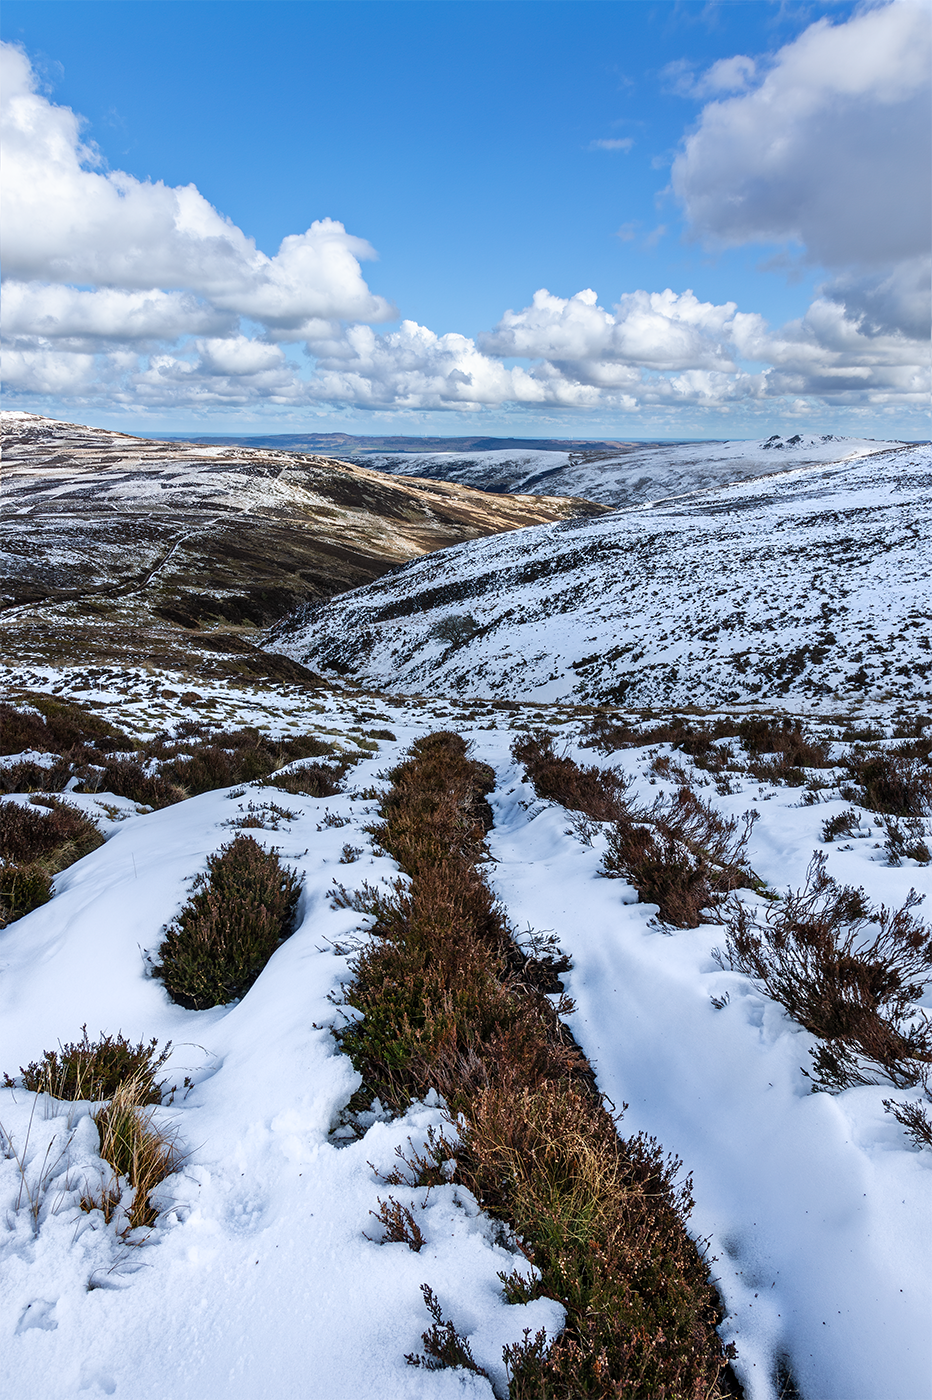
140	1155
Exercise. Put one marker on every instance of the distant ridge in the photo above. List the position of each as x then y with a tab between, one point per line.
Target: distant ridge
330	442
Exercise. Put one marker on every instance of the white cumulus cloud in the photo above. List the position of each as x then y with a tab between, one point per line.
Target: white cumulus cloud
831	148
67	220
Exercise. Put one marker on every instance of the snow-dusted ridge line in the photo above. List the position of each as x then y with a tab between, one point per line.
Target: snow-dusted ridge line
806	588
633	474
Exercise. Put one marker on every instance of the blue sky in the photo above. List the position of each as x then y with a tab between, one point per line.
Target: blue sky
485	150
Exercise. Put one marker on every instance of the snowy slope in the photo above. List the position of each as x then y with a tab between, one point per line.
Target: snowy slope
638	472
810	587
259	1278
264	1274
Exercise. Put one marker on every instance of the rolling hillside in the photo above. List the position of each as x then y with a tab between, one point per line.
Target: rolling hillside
810	586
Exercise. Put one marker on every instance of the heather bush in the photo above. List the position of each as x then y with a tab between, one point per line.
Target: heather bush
37	832
896	783
61	727
311	780
848	973
241	910
124	777
680	855
599	794
87	1069
35	844
914	1115
842	824
29	776
906	840
793	752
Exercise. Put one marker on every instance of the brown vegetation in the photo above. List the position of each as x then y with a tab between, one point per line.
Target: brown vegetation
94	1070
447	1001
680	854
36	842
242	908
849	974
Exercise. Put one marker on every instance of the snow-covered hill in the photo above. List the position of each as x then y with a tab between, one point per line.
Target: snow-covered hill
809	586
631	474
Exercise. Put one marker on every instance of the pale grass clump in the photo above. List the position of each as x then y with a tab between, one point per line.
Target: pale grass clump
141	1154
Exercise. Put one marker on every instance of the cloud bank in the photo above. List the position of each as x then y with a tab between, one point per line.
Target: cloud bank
129	293
832	150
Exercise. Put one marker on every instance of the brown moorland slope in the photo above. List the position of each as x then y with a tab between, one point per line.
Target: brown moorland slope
117	545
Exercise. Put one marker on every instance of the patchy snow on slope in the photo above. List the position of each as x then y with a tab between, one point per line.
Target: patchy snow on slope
807	588
640	472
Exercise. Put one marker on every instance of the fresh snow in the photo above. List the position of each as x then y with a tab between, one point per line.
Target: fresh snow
806	588
640	472
259	1277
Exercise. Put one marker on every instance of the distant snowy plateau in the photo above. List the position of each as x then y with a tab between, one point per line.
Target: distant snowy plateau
631	474
806	586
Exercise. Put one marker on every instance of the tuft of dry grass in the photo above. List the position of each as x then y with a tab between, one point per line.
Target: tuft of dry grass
448	1001
242	908
138	1152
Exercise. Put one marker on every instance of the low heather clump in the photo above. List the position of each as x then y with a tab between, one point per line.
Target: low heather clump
95	1069
897	782
680	854
310	780
597	792
36	842
850	974
792	750
242	908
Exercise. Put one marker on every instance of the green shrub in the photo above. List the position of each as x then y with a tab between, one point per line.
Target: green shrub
34	847
22	889
243	907
311	780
